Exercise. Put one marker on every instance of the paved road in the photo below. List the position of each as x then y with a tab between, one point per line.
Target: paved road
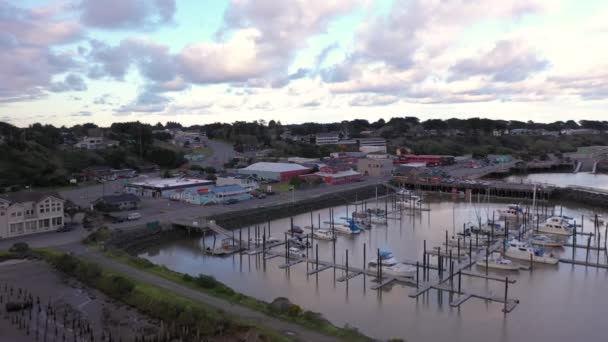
246	314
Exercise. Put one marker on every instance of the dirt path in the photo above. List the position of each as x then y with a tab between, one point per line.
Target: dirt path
289	329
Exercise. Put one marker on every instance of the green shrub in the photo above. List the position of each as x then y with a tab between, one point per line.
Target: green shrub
207	282
66	263
187	277
19	247
294	310
120	286
142	262
88	272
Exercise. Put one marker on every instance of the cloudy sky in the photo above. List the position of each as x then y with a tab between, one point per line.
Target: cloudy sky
199	61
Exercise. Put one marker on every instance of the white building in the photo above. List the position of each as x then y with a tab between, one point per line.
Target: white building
330	138
163	187
95	143
25	213
368	145
245	181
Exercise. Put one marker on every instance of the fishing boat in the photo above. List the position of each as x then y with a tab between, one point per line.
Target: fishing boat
513	211
323	234
496	261
295	252
545	241
390	266
521	250
295	230
556	226
299	242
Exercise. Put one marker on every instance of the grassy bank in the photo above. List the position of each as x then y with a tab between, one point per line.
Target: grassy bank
181	316
280	308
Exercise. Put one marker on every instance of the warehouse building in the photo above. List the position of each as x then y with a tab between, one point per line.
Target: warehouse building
163	188
274	171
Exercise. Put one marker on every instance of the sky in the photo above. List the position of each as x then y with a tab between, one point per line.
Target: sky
67	62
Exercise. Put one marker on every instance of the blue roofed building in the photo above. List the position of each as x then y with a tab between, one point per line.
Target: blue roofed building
211	194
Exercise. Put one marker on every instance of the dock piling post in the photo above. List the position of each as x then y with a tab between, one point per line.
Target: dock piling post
588	246
379	266
446	241
364	255
506	293
459	282
347	264
317	256
531	262
248	236
417	274
487	258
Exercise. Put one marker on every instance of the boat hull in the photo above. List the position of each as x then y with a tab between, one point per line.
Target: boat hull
535	258
497	266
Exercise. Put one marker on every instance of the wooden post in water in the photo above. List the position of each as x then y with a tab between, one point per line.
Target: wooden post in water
347	264
379	262
248	237
574	240
531	262
506	293
364	256
319	221
312	223
446	242
588	246
424	265
264	244
487	258
240	239
417	274
459	281
317	256
458	250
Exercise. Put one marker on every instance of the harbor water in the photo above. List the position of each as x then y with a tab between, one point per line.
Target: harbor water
557	303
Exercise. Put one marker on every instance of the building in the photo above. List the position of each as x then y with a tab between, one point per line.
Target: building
95	143
302	160
429	160
245	181
163	187
403	150
335	175
274	171
375	167
118	202
211	194
25	213
330	138
190	139
378	155
99	173
368	145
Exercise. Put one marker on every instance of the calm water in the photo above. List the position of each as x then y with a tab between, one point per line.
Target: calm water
599	181
558	303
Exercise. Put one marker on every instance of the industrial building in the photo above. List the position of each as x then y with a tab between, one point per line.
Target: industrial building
274	171
163	188
211	194
375	167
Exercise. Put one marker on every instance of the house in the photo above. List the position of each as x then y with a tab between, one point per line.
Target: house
378	155
25	213
274	171
99	173
429	160
95	143
190	139
245	181
118	202
403	150
163	188
375	167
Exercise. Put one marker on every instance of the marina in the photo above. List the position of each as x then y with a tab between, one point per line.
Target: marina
453	280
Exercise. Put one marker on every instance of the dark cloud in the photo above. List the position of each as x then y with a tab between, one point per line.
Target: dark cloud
72	82
147	102
506	62
127	14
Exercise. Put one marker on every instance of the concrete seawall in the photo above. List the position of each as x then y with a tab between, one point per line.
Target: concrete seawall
251	216
590	198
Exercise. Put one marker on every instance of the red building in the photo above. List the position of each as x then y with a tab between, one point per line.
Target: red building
336	175
429	160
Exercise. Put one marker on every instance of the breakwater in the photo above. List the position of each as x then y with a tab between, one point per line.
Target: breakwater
251	216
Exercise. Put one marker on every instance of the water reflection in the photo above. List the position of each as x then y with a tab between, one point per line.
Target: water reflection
558	303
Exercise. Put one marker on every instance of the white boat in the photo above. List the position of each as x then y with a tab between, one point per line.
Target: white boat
513	211
410	202
523	251
323	234
269	241
556	226
496	261
392	267
544	240
295	252
346	228
404	192
465	241
377	219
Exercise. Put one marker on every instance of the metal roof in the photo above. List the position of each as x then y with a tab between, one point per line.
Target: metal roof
274	167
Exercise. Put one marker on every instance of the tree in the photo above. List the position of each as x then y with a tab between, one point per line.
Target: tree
296	182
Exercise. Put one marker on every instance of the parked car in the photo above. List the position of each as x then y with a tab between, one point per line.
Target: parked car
231	201
118	219
133	216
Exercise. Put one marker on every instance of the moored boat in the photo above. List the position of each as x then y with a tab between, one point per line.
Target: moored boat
556	226
390	266
523	251
323	234
496	261
545	241
513	211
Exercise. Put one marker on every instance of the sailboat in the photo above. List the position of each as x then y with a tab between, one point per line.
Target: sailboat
545	241
323	234
557	226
